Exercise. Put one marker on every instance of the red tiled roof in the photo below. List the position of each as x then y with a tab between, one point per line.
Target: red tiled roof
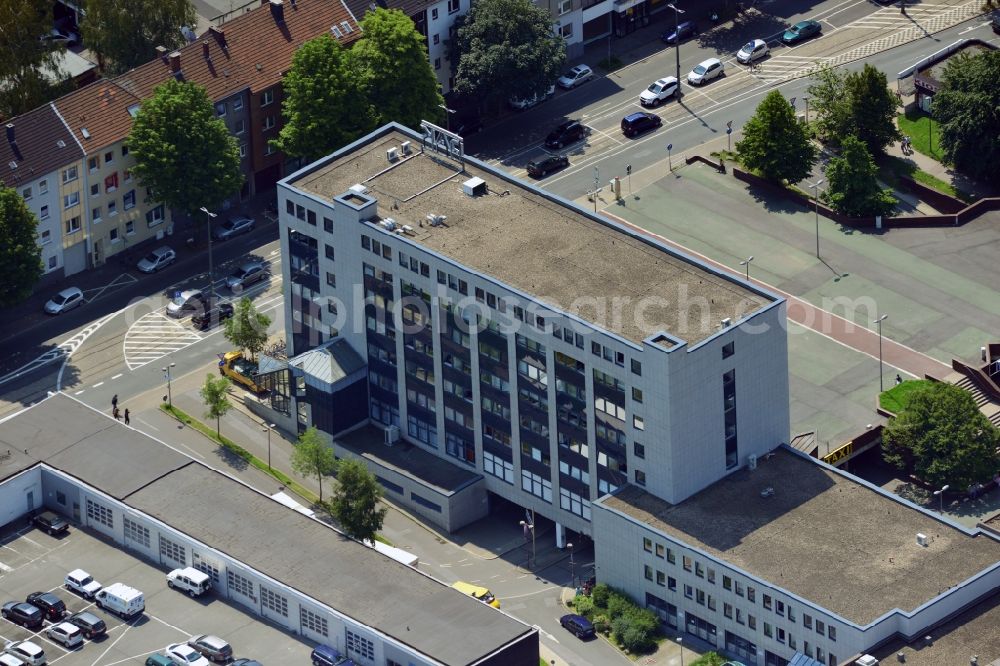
41	144
251	51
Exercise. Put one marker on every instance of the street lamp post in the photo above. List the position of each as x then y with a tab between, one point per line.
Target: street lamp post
211	271
680	641
572	566
530	526
940	493
878	322
746	262
815	187
268	427
447	115
170	396
677	39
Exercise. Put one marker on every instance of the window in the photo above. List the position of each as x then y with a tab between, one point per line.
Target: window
661	578
437	63
267	97
566	31
172	551
659	550
113	235
154	216
109	157
268	148
536	485
688	591
240	127
73	224
751	622
637	395
427	504
274	601
136	532
647	544
671	583
751	594
237	104
807	621
768	630
112	208
71	199
111	182
220	108
43	186
313	621
727	610
436	39
360	645
100	514
70	174
648	572
238	583
831	633
26	193
125	151
93	164
311	217
434	14
95	190
43	212
640	477
129	228
498	467
328	250
268	122
95	215
327	225
638	422
127	176
636	368
820	627
128	201
671	557
46	237
454	6
565	6
728	349
767	602
687	563
61	497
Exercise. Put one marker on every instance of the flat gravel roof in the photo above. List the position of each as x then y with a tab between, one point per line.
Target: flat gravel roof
821	535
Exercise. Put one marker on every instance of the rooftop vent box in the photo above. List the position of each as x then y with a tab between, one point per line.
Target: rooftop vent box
405	147
474	187
358	189
921	539
392	154
866	660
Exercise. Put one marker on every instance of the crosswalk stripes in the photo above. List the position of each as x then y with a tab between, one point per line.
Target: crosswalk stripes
155	335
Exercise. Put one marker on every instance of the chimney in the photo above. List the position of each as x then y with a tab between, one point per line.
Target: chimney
10	132
204	50
175	62
219	34
278	11
161	51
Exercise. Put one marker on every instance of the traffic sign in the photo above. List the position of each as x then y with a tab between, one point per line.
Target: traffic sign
729	131
628	169
670	146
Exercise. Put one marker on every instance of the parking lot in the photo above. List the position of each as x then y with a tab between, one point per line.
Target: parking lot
31	560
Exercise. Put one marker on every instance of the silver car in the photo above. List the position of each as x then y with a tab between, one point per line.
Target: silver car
232	227
212	647
157	259
249	273
65	300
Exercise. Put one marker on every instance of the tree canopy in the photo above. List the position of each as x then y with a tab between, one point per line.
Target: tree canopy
854	103
942	438
311	456
247	328
183	151
215	395
775	143
853	178
968	113
24	58
355	502
326	105
20	256
506	48
400	82
125	33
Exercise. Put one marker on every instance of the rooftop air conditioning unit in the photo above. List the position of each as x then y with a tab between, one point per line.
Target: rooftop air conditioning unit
392	154
866	660
436	220
474	187
726	322
358	188
921	539
388	224
407	229
752	461
391	435
405	147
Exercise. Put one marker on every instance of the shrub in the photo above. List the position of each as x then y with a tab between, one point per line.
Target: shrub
584	605
600	594
601	623
618	605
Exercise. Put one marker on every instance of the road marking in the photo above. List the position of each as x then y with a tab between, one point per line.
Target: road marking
79	392
5	568
98	384
118	375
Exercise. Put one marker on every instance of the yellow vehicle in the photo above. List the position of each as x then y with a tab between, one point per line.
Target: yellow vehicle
240	370
477	592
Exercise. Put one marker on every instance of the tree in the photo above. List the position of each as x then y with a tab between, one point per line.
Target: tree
853	177
506	48
400	83
942	438
20	254
968	113
857	103
326	105
312	456
24	58
125	33
774	143
355	502
182	150
215	394
247	328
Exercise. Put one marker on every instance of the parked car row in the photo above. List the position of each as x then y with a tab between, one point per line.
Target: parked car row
65	628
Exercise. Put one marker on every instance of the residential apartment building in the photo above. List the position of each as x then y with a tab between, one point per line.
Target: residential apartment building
44	164
512	334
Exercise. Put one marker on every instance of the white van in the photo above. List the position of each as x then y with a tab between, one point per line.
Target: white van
190	580
122	600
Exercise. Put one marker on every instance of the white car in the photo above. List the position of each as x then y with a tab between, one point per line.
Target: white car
658	91
575	77
65	300
753	50
183	654
28	652
706	71
10	660
82	583
522	104
67	634
157	259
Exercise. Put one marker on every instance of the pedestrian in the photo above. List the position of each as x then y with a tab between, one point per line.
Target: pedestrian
114	402
899	380
126	416
118	414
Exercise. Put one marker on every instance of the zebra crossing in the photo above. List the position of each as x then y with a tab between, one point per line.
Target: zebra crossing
155	335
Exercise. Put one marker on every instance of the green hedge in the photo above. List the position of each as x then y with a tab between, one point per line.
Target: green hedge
632	627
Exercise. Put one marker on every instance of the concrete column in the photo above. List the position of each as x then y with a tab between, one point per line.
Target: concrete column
560	536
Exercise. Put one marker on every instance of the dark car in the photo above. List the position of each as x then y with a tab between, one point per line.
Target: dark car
636	123
53	607
801	31
577	625
23	614
684	30
324	655
466	124
568	132
246	662
546	165
91	625
212	316
50	522
212	647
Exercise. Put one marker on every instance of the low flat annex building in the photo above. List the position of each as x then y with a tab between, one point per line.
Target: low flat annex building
262	556
794	556
550	354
